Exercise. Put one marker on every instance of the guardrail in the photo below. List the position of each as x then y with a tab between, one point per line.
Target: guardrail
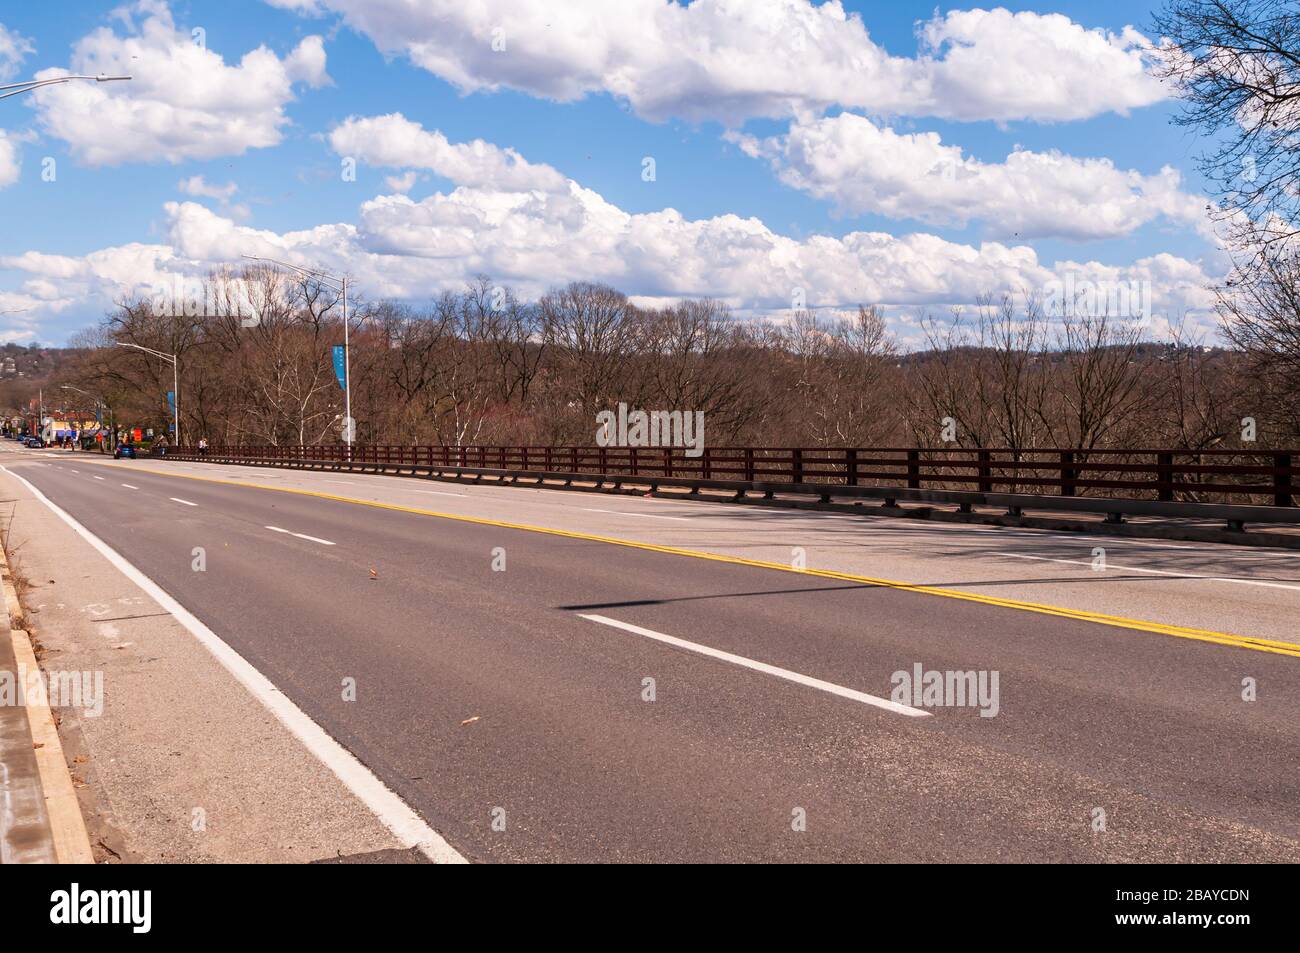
831	474
1169	475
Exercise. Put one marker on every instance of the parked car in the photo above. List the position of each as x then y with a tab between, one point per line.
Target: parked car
34	443
124	450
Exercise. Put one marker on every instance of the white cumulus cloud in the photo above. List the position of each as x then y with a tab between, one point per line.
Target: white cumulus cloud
184	102
198	186
865	168
731	60
10	166
534	234
14	48
410	250
396	141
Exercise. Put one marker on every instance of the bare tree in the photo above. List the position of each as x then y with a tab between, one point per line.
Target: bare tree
594	333
1236	66
1106	397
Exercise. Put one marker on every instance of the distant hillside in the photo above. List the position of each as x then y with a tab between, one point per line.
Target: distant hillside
25	370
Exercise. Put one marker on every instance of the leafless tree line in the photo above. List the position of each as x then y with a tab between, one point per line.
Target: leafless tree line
482	367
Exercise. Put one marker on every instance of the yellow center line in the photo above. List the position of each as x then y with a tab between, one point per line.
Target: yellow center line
1080	615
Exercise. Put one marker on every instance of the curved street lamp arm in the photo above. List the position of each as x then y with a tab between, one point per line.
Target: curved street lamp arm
29	85
297	268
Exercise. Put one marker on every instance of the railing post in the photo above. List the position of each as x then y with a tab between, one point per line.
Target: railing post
708	463
1165	476
604	461
851	467
668	461
796	465
1067	473
749	464
635	461
985	471
1282	480
914	469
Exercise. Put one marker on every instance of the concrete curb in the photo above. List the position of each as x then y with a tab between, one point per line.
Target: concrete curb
25	835
71	841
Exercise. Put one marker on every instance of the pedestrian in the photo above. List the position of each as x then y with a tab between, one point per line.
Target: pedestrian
203	446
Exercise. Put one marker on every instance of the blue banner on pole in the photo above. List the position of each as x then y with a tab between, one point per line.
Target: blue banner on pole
340	370
171	401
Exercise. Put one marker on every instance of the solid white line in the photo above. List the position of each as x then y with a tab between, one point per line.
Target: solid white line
648	516
1158	572
177	499
395	814
1221	550
314	539
130	487
439	493
763	667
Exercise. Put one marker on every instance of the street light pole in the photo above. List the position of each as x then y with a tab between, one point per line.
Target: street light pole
14	89
349	425
176	383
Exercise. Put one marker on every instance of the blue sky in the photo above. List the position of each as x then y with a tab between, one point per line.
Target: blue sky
597	140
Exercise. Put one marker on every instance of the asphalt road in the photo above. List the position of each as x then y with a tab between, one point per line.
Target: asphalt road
490	699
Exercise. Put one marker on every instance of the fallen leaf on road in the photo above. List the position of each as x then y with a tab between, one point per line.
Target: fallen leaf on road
374	574
469	721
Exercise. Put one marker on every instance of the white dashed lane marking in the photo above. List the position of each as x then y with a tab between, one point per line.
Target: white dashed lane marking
648	516
1156	572
314	539
796	677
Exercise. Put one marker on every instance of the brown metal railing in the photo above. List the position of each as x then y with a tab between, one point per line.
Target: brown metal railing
1220	476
